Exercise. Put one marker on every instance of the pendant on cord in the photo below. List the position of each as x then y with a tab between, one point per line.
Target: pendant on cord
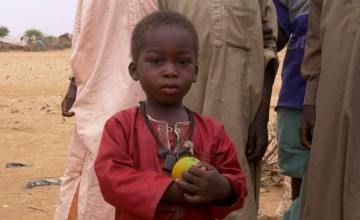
170	158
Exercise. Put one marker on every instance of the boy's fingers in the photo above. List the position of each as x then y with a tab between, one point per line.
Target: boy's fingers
186	186
194	178
204	166
194	199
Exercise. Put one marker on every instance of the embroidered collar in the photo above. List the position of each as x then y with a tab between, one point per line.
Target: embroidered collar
164	152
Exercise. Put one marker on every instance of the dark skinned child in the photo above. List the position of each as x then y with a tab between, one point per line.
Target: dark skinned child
141	144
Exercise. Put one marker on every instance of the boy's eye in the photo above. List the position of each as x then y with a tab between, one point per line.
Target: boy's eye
155	61
183	62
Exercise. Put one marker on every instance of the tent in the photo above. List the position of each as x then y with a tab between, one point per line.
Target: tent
18	41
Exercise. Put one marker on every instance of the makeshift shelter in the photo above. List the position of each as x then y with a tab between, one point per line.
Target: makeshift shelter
17	41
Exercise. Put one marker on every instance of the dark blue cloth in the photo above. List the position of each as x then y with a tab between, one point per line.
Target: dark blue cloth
293	19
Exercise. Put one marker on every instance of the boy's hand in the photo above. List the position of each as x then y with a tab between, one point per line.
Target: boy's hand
204	184
307	126
172	194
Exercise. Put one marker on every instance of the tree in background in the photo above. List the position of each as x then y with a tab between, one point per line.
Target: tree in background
4	31
33	32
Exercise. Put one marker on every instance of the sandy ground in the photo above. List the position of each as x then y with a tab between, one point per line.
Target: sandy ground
32	131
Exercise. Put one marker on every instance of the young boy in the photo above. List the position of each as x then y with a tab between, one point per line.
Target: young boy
139	144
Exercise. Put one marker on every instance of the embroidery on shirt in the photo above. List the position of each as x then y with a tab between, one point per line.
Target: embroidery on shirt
164	130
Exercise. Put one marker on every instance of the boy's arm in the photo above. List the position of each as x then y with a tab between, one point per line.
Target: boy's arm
221	184
119	181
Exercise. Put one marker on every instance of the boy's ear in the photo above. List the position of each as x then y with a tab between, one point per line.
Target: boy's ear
133	71
195	74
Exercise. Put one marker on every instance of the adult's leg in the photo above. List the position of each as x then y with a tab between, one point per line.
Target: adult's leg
73	213
71	178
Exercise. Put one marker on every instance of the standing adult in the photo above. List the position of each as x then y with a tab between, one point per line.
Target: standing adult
293	157
236	74
331	119
100	86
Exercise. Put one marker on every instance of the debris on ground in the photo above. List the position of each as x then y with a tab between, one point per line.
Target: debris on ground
42	182
11	165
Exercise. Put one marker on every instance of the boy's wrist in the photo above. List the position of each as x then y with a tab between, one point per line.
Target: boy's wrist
227	196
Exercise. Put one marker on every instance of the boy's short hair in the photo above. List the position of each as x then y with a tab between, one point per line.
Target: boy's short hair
157	19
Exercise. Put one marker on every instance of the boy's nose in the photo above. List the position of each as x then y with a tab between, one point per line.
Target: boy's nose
170	70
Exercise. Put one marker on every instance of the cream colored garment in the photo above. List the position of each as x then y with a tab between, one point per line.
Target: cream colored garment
232	61
99	61
331	67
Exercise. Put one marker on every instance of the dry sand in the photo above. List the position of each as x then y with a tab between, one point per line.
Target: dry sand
32	131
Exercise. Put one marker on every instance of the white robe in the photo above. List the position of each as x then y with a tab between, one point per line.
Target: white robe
99	60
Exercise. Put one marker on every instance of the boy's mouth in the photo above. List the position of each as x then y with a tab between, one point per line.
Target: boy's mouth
169	88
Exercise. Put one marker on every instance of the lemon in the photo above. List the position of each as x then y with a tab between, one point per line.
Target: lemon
182	165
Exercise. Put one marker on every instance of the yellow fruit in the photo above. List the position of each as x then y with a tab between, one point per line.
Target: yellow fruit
182	165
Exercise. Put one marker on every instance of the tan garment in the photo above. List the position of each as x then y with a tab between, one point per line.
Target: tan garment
99	60
231	69
331	67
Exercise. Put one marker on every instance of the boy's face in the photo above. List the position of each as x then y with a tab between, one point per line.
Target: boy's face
167	66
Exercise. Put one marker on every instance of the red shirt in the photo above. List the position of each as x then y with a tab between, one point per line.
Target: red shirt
131	176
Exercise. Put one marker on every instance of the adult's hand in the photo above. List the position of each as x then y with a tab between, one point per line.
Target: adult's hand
258	134
307	126
69	100
267	31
